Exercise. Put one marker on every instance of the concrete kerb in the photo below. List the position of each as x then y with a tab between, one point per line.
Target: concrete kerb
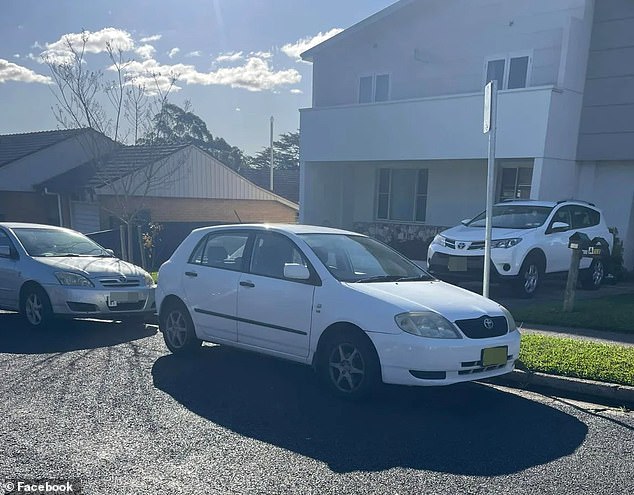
611	393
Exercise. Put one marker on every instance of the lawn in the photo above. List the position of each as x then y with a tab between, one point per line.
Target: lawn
577	358
615	313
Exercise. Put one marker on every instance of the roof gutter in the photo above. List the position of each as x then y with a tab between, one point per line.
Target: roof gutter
59	204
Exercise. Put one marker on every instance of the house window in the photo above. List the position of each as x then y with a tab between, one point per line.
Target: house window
374	88
402	195
515	183
510	72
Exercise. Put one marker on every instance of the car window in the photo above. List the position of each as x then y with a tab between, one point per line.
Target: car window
271	252
583	218
514	217
57	243
4	241
221	250
563	214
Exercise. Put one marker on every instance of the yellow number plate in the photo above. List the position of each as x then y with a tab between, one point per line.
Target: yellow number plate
494	356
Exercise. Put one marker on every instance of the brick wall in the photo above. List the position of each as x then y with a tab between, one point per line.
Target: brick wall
205	210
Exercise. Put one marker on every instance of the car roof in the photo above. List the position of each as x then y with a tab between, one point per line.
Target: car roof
549	204
297	229
23	225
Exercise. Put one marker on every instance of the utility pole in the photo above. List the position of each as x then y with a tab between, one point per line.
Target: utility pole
271	146
490	127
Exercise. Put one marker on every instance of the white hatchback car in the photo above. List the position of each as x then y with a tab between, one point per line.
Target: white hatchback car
530	239
352	307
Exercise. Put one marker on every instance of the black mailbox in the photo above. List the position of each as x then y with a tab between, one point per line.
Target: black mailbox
598	247
579	240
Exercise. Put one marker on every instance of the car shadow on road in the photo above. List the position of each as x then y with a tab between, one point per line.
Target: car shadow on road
467	429
66	335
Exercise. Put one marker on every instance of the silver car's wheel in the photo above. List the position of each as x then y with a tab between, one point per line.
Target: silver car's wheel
36	307
178	330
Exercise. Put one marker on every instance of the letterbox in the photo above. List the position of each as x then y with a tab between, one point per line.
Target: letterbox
579	240
598	247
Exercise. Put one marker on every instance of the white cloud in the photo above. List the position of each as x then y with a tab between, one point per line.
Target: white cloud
16	55
296	91
294	50
154	37
238	109
261	54
173	52
195	53
229	57
255	74
59	51
145	51
14	72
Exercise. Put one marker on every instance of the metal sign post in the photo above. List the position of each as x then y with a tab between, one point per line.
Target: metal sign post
490	127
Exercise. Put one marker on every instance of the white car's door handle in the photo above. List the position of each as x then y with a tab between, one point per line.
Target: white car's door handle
246	283
191	274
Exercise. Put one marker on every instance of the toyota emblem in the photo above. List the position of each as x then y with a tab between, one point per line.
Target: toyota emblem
461	245
488	323
122	279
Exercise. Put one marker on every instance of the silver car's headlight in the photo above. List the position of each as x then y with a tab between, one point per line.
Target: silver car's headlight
506	243
509	319
427	324
149	281
439	240
73	279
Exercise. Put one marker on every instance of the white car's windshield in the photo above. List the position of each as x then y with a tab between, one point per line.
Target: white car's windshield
514	217
353	258
53	242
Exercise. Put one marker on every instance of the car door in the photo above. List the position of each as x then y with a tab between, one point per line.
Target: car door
210	282
557	252
275	313
9	274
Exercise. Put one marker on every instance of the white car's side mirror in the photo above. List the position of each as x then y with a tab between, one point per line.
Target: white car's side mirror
560	227
295	271
465	221
5	251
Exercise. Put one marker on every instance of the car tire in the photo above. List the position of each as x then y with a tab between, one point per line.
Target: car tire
592	277
178	330
529	277
349	366
35	307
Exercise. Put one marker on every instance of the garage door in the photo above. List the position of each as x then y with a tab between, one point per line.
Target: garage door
85	217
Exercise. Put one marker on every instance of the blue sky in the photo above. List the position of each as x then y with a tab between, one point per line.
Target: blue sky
237	58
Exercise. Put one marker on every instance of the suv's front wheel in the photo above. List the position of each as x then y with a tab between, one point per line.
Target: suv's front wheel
529	277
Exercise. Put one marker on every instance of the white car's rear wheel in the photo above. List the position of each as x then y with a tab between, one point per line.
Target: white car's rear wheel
178	329
592	278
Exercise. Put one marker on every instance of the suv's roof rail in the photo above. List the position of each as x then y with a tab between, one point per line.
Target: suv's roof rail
575	201
507	200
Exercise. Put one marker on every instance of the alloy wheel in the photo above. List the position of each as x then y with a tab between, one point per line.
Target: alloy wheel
346	367
531	278
34	309
176	328
597	273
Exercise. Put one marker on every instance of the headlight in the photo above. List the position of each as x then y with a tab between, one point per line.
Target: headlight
73	279
427	324
509	319
506	243
149	281
439	239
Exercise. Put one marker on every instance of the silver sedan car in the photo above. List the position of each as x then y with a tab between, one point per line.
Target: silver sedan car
48	272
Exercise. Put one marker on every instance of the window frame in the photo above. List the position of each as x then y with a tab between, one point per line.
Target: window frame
314	278
500	185
417	194
246	255
373	76
507	57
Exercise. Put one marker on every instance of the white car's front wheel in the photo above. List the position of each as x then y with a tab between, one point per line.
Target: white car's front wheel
529	277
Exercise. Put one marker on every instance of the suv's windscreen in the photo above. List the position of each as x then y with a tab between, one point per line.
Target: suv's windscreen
53	242
353	258
514	217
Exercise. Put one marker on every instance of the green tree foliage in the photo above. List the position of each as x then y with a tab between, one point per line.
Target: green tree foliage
178	125
285	153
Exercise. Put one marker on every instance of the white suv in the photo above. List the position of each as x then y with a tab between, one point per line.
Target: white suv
530	239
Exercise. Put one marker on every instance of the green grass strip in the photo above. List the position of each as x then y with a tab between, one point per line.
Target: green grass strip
614	313
578	358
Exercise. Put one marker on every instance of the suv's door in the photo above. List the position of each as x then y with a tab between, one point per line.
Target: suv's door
210	281
557	251
275	313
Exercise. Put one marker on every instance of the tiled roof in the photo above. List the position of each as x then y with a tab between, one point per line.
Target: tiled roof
16	146
120	163
285	181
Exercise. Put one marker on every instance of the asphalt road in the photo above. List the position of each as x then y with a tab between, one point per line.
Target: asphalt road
108	404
